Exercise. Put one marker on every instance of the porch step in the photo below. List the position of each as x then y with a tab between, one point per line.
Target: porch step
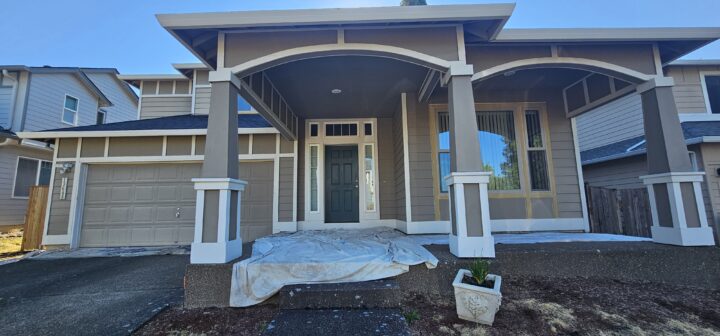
383	293
338	322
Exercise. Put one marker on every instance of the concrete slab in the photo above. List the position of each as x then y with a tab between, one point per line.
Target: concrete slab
88	296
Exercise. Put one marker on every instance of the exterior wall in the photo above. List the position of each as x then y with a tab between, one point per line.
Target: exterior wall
158	107
399	165
47	97
179	149
709	160
12	210
420	161
124	104
688	90
8	89
618	120
202	100
386	168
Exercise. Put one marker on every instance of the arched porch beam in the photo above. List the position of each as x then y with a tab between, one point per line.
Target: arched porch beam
601	67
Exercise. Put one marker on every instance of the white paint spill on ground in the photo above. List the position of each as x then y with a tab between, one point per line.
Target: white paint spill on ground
111	252
537	237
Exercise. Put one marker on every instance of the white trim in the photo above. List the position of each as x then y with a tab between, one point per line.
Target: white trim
276	184
706	94
173	158
164	146
581	178
48	207
193	91
139	108
537	224
135	133
460	33
365	224
167	95
657	60
78	192
76	111
698	117
568	62
220	59
702	236
284	56
104	114
295	184
406	158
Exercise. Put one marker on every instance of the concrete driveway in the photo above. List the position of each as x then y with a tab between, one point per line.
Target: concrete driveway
87	296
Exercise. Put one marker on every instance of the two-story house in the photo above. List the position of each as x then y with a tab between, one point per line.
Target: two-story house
612	137
38	98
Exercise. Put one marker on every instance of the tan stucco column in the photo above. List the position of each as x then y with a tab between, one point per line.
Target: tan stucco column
217	210
469	209
678	211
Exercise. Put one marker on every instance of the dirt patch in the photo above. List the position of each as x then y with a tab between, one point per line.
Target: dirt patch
10	244
578	306
210	321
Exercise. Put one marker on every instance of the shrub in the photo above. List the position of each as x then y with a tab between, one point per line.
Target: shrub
479	270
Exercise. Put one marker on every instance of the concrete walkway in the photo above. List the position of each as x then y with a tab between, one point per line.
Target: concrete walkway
88	296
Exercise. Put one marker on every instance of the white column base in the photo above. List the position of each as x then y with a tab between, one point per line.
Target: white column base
679	233
461	244
223	249
702	236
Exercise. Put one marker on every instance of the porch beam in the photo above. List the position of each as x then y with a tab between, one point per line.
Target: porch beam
281	117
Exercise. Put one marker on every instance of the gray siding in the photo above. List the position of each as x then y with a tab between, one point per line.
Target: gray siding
6	105
157	107
285	190
617	174
124	105
399	165
709	161
420	161
46	99
563	159
386	168
60	209
202	100
618	120
12	210
688	92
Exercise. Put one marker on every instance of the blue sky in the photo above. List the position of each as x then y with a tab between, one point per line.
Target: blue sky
125	34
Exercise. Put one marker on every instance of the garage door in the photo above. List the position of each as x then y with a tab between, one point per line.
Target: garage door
154	204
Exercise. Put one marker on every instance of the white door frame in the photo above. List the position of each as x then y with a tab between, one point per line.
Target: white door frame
316	219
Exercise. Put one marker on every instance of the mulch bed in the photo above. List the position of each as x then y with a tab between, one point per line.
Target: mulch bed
531	306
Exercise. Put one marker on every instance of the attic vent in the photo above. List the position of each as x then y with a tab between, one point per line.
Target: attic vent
341	129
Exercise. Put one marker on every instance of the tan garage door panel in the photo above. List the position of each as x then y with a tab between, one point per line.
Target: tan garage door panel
154	204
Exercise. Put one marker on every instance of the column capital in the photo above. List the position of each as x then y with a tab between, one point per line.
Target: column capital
656	82
457	69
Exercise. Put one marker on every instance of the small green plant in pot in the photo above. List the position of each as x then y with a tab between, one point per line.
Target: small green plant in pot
477	293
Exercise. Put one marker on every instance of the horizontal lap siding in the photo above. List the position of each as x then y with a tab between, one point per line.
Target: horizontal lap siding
564	163
157	107
47	97
202	100
6	105
618	120
617	174
285	191
124	105
399	165
386	168
420	161
688	92
12	210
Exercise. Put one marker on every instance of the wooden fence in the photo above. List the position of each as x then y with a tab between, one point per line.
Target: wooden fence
619	211
35	218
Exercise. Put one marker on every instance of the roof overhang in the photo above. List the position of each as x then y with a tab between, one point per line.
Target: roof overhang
198	31
673	43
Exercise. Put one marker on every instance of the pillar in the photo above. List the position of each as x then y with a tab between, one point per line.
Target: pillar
676	201
468	185
217	211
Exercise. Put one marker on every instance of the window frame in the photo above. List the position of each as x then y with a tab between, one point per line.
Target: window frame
706	94
37	174
76	111
521	135
104	118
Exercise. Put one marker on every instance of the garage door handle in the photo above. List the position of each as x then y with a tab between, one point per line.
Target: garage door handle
177	213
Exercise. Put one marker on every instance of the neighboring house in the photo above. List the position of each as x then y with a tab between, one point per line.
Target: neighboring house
38	98
612	137
427	119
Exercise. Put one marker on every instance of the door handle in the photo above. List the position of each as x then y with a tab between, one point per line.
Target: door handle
177	213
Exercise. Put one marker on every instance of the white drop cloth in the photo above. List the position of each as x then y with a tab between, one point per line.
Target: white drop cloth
327	256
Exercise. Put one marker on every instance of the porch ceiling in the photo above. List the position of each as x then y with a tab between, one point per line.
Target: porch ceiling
371	86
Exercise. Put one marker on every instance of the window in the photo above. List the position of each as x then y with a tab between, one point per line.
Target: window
313	130
69	115
368	129
243	105
100	118
369	178
712	92
313	178
28	173
500	150
341	129
537	162
693	161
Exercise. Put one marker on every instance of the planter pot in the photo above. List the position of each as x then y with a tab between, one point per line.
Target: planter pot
475	303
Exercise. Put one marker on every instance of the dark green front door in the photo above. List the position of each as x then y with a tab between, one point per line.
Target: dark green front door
341	184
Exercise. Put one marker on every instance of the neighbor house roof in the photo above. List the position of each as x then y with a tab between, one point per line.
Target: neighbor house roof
696	62
694	132
181	125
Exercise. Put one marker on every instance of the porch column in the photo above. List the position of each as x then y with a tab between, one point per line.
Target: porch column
469	210
217	210
676	201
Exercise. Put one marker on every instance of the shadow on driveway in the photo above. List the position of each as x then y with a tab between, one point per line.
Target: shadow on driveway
89	296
